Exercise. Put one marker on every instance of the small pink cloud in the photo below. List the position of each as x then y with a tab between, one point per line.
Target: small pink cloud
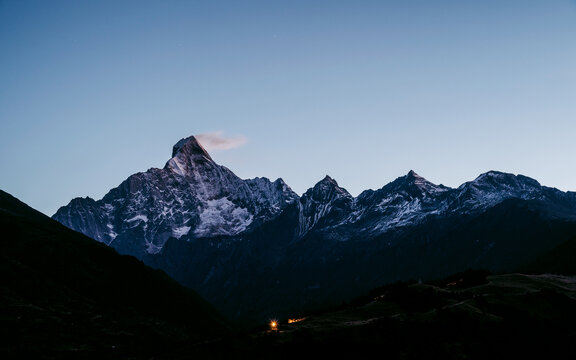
216	141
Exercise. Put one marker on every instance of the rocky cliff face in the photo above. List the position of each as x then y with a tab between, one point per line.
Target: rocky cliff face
254	248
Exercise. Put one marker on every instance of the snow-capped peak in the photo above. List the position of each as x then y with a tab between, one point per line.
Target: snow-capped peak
412	173
189	147
327	181
325	203
326	187
492	175
187	153
412	181
415	178
497	179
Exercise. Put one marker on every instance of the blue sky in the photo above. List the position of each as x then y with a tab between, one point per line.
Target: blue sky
94	91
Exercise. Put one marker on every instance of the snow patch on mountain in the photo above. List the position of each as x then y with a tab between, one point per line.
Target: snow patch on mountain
177	166
222	217
138	217
181	231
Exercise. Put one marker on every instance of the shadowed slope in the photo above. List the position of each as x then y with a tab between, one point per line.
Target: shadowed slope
65	295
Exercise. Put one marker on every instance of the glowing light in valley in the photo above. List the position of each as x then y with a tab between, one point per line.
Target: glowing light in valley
291	321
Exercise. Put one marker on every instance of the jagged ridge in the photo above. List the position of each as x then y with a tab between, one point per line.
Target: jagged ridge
193	197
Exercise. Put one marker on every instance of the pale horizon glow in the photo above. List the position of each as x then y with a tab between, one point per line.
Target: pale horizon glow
363	91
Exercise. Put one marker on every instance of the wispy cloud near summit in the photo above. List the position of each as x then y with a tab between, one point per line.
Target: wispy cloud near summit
216	141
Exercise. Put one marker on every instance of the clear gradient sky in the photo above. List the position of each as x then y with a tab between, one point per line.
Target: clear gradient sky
94	91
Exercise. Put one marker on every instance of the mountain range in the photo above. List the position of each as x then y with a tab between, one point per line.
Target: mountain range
256	250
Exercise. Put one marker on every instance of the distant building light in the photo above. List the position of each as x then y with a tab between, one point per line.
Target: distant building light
274	325
291	321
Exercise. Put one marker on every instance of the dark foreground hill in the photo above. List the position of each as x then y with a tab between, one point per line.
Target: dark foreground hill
467	316
64	295
560	260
